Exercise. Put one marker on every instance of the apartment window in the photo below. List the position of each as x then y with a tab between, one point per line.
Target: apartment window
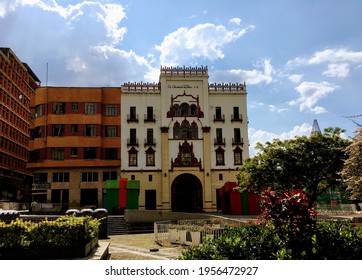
39	110
149	139
132	157
238	158
236	116
111	110
90	108
40	178
111	131
149	116
89	176
74	128
60	177
132	117
221	177
220	156
90	153
219	139
58	153
237	136
58	108
133	177
74	106
73	152
90	130
133	137
111	153
109	175
218	115
150	178
58	130
150	157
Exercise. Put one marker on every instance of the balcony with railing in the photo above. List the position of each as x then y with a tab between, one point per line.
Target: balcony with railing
132	118
237	118
132	141
238	141
150	118
219	118
150	142
219	141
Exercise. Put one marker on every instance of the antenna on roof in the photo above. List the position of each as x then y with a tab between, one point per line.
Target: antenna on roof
46	78
315	128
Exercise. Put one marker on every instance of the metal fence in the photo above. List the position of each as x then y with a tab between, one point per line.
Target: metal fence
192	232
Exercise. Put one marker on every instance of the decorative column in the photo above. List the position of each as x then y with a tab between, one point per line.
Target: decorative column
207	170
165	186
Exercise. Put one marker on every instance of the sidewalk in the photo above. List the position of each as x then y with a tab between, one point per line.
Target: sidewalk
141	247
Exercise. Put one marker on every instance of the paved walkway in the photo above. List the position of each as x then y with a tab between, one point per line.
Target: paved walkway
141	247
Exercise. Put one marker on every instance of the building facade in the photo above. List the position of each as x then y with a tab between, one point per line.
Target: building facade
75	144
17	87
182	138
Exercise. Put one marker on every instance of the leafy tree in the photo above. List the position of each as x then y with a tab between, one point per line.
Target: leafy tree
352	169
309	163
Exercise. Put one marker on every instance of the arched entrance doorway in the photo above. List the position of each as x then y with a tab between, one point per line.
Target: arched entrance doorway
186	194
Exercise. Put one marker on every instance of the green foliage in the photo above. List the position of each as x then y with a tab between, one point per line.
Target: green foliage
330	241
338	240
286	230
309	163
252	242
65	231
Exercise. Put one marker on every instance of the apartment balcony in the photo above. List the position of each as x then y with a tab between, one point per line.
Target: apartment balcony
219	141
132	118
238	141
132	142
219	118
150	142
237	118
150	118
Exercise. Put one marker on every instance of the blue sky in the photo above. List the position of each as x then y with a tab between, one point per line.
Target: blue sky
301	60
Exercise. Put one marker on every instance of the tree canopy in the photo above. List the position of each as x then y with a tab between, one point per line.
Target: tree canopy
352	169
309	163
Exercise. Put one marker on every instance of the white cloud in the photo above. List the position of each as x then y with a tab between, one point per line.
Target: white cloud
340	70
109	14
273	108
263	136
236	21
310	93
203	40
295	78
336	56
263	74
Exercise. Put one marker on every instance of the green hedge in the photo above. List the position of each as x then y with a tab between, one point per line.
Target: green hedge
65	231
330	240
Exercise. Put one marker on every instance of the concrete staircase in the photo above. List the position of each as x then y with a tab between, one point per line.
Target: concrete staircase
116	225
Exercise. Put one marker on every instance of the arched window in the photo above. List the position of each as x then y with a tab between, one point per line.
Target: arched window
185	130
186	157
176	110
194	131
184	108
193	110
176	131
220	156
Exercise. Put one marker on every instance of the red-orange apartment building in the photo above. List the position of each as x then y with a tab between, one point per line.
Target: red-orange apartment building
75	144
17	87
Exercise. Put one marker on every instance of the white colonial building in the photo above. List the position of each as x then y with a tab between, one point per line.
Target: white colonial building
182	138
